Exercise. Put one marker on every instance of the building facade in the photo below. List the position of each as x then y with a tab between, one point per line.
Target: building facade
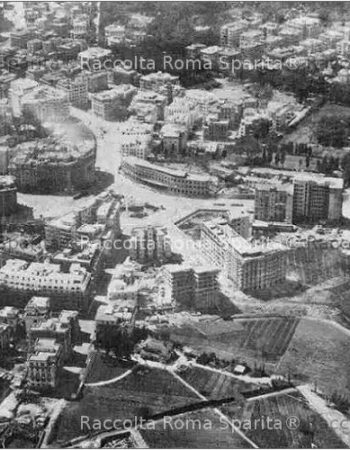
249	267
174	181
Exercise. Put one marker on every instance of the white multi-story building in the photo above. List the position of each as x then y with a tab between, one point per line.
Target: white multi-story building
249	267
191	286
46	279
94	58
36	311
230	33
175	181
160	82
44	363
305	26
113	104
183	112
76	90
330	38
139	146
152	98
115	34
10	316
317	198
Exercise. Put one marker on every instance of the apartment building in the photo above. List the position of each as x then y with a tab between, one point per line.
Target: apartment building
250	38
111	317
64	330
102	213
305	26
215	129
44	364
273	203
149	243
179	283
94	58
174	181
9	315
46	104
182	112
80	26
34	45
174	139
160	82
20	38
76	90
203	101
152	98
230	33
45	279
206	286
191	286
36	311
139	146
115	34
193	50
317	198
113	104
96	81
249	267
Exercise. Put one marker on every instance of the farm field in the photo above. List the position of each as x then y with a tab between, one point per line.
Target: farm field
262	340
311	428
103	368
214	385
199	429
319	352
154	389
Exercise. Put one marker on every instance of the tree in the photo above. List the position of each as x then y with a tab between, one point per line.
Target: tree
333	130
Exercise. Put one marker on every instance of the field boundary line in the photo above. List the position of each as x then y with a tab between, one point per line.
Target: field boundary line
216	410
232	375
272	394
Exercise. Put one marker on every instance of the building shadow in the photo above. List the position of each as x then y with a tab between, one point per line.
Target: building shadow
289	288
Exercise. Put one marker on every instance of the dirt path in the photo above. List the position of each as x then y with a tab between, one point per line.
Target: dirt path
335	419
112	380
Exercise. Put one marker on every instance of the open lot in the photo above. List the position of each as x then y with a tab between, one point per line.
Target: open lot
250	340
103	368
319	352
200	429
154	389
312	265
311	428
214	385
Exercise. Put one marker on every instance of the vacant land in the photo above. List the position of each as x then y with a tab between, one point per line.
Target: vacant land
214	385
153	389
262	340
319	352
312	265
200	429
103	368
310	429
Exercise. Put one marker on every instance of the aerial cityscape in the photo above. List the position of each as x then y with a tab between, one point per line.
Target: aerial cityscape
175	224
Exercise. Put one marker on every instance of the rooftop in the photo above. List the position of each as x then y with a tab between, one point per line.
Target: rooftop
95	52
